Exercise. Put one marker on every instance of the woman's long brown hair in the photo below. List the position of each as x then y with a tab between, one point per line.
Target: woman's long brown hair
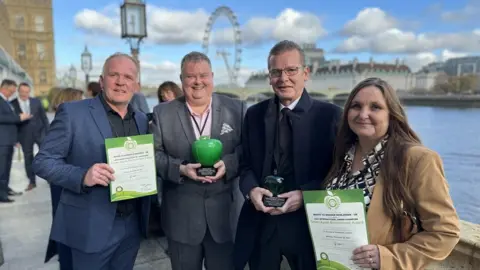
401	137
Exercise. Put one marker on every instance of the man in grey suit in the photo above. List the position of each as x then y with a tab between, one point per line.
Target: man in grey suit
196	210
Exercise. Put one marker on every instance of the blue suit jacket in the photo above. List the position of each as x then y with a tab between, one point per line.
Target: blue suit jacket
75	142
8	124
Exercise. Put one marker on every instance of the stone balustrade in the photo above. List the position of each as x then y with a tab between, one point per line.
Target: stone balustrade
466	255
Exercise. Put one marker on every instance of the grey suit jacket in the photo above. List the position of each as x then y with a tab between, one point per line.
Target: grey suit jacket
188	207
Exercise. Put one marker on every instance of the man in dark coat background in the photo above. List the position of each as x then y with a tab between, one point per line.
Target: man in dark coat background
32	131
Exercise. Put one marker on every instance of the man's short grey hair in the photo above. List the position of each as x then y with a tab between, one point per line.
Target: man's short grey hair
120	54
286	46
194	57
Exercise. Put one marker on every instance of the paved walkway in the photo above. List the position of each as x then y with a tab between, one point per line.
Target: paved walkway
25	226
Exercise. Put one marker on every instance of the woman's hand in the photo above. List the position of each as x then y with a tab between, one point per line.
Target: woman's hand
367	256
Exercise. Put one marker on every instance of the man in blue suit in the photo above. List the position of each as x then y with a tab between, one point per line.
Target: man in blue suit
101	234
8	137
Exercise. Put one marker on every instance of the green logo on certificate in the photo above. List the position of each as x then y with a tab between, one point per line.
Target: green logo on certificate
130	144
332	201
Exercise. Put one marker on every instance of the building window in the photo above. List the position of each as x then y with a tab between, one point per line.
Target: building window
43	76
20	22
39	24
41	51
22	51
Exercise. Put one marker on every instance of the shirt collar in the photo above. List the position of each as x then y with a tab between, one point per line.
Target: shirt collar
4	97
108	109
291	106
209	108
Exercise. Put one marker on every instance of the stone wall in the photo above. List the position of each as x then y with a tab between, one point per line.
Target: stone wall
466	255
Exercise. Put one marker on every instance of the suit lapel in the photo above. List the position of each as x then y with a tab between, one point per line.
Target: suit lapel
141	123
184	117
99	115
30	104
216	117
270	123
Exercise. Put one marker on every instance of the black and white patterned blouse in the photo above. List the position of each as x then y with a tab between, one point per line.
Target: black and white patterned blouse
363	179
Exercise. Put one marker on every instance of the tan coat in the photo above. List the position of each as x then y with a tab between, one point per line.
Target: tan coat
435	210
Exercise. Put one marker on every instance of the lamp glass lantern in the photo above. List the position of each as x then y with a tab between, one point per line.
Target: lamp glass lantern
86	61
133	19
72	73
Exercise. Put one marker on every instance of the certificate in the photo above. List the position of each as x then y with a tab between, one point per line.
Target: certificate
133	160
337	224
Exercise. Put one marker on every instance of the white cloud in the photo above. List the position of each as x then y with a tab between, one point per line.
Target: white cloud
447	54
418	60
377	34
368	22
166	26
470	11
96	22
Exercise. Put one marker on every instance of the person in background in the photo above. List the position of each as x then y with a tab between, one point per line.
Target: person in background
168	91
9	119
101	234
32	131
411	219
93	89
64	252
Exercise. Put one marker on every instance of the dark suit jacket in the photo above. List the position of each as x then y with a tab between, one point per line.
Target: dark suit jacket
75	142
8	124
38	125
188	207
314	126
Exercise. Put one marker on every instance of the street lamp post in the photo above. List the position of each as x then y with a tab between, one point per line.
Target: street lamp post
134	25
86	64
72	73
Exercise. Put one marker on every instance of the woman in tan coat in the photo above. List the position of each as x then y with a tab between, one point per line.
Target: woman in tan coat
411	220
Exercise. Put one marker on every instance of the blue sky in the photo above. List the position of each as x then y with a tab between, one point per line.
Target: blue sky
418	32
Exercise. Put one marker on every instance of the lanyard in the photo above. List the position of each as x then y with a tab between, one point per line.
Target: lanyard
200	130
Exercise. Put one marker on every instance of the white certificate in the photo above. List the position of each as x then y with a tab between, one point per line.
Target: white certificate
133	160
337	224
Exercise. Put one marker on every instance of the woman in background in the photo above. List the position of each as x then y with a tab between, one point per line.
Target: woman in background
64	252
93	89
168	91
411	220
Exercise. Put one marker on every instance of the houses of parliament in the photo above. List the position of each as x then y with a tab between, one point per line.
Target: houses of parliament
27	43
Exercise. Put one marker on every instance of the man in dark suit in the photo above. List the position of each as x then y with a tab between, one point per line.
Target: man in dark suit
195	209
8	137
32	131
100	233
289	136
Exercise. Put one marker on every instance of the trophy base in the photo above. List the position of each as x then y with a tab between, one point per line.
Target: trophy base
273	201
206	171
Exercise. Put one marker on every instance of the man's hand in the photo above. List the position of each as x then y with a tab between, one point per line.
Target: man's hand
293	203
99	174
221	170
256	196
25	116
190	170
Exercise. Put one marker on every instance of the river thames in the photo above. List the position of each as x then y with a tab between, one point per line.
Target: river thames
455	134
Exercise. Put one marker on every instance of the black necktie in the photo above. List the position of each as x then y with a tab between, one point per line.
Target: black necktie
284	133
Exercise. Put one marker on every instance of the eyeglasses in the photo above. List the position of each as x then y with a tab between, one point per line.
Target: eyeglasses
290	71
